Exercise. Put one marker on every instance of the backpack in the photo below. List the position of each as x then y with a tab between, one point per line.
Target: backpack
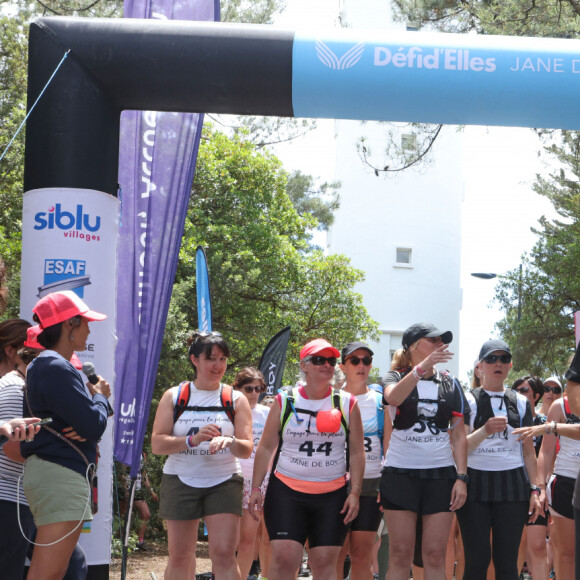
485	412
288	408
184	391
570	417
406	415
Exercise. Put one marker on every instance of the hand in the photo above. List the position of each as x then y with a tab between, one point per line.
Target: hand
439	355
526	432
154	496
544	500
206	433
495	425
350	507
219	443
255	504
20	429
102	387
71	434
535	509
458	495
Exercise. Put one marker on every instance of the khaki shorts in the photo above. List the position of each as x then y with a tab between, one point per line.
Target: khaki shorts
55	493
179	501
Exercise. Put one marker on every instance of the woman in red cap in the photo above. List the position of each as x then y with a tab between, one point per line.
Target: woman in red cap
426	462
308	497
58	472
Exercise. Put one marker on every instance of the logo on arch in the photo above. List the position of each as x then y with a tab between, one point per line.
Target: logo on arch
331	60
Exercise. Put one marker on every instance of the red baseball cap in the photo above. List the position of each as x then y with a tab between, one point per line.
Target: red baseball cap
318	346
59	306
32	342
32	337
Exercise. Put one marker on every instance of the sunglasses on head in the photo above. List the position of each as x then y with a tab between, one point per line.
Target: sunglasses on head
522	390
555	390
258	389
356	360
320	360
502	358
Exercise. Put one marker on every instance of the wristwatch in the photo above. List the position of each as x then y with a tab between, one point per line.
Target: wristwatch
463	477
535	488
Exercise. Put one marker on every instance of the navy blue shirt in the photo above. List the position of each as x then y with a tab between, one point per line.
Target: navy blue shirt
56	389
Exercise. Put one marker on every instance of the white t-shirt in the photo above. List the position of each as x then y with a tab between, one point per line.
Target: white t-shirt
422	446
11	396
196	467
568	458
500	451
259	416
306	453
368	404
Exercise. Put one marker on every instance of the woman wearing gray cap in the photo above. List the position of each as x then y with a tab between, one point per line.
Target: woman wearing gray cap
420	474
500	496
356	363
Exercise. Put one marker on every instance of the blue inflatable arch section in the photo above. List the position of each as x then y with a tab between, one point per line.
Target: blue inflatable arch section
72	137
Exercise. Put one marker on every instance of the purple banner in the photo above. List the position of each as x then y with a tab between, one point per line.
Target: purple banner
156	166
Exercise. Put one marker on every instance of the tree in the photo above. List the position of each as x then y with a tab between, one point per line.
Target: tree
549	288
321	201
264	272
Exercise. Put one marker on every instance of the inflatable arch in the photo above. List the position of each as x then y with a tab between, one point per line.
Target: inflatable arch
116	64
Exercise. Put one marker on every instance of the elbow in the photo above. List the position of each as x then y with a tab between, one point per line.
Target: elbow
155	446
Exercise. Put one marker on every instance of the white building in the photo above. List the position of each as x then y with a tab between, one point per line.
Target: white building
403	229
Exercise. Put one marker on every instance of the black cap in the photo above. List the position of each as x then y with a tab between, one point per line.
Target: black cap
493	345
424	330
352	346
573	373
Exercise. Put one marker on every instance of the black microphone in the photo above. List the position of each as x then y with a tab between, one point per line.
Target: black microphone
91	374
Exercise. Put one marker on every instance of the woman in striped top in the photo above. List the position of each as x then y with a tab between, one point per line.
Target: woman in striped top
500	497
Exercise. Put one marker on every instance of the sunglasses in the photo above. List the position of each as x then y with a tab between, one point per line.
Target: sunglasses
320	360
255	389
555	390
502	358
355	360
522	390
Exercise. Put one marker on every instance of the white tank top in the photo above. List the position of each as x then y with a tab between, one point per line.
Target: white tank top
307	454
369	405
259	416
196	467
499	451
568	458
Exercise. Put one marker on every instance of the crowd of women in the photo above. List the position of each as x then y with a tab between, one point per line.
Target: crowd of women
322	467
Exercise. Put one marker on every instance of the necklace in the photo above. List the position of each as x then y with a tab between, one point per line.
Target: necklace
19	372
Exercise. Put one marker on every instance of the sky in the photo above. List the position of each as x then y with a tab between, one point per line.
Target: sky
499	167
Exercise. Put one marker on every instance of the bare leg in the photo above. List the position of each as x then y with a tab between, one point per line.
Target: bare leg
265	551
402	527
51	562
563	537
286	559
537	552
182	543
323	560
222	530
361	555
248	533
436	529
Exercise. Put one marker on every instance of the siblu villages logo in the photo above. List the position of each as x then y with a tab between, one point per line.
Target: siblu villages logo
74	225
412	57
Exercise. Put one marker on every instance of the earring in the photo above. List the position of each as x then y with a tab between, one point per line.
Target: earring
71	337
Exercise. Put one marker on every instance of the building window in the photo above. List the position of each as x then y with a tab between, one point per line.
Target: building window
408	142
403	257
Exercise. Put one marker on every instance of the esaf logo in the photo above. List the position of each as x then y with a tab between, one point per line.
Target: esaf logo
73	224
64	274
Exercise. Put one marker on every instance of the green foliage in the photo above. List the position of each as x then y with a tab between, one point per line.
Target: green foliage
264	272
320	201
550	287
552	18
